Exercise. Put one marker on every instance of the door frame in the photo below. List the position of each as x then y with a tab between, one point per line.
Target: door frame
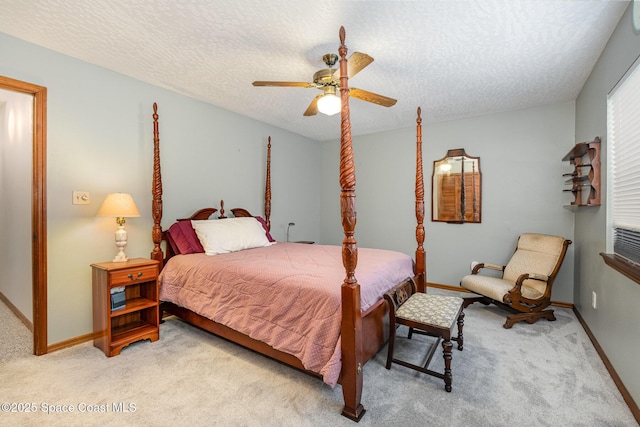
38	208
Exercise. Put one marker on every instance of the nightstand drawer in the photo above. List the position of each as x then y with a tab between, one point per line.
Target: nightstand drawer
131	276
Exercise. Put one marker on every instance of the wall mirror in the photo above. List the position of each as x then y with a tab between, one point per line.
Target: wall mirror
456	188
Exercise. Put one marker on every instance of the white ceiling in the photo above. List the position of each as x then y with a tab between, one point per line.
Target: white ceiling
454	59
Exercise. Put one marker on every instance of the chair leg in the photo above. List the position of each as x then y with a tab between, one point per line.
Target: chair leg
460	339
531	318
468	301
392	340
447	347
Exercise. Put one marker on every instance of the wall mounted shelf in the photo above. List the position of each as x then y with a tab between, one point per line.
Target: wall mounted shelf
584	180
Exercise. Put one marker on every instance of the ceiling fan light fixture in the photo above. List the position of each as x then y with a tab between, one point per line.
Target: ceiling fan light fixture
328	80
330	103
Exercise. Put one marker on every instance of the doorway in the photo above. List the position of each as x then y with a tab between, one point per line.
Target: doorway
38	209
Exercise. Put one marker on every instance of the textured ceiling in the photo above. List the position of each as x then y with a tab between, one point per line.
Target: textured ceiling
455	59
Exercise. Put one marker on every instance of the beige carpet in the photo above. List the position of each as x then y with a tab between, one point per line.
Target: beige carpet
16	340
547	374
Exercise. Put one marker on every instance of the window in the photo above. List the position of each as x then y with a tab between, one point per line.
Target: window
623	109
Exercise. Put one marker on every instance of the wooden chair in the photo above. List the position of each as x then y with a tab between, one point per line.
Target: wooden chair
524	287
433	315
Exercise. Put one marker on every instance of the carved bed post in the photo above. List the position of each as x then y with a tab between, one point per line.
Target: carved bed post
463	193
421	261
352	357
267	190
156	190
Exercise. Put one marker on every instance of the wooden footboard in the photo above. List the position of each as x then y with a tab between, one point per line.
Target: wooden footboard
375	329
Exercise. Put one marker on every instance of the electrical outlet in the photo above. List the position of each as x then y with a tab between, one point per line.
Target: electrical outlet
81	198
593	300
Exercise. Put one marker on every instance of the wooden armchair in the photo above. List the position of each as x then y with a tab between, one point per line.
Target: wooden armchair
525	285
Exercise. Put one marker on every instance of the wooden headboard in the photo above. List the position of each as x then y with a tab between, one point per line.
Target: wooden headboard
202	214
157	234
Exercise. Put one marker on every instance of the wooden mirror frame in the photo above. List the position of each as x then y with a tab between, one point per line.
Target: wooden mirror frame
456	194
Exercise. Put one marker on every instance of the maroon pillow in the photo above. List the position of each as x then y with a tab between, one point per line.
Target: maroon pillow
266	230
183	239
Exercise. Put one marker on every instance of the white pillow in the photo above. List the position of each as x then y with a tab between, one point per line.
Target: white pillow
221	236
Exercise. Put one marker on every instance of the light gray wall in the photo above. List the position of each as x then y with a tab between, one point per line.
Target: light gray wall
615	323
520	158
100	139
16	148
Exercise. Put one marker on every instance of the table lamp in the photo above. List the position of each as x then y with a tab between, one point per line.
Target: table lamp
119	205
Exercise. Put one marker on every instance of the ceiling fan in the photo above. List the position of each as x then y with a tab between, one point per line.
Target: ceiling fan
328	80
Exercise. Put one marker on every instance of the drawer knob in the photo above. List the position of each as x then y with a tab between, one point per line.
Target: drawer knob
130	276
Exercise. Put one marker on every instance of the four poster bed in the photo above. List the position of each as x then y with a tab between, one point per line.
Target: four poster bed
314	323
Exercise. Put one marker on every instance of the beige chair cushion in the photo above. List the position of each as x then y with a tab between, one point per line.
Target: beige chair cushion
436	310
536	253
495	288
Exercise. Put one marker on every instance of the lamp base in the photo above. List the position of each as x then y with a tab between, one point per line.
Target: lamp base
121	243
121	257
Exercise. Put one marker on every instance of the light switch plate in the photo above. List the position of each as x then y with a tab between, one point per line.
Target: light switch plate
81	198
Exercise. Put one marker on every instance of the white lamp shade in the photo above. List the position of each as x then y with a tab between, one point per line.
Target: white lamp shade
329	104
119	205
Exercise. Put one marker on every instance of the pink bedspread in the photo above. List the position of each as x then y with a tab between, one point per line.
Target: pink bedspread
286	295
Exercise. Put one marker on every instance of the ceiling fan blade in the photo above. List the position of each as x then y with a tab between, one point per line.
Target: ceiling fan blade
355	63
312	109
372	97
285	84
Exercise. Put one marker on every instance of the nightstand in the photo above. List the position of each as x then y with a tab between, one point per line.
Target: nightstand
135	319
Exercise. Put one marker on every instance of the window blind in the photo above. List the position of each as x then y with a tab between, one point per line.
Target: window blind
624	165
